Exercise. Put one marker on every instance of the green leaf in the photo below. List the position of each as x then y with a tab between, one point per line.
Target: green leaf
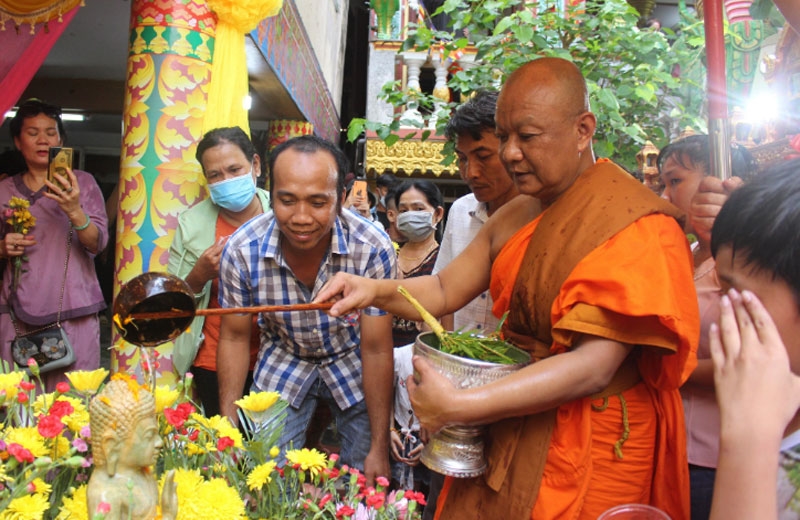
391	139
607	99
355	129
502	25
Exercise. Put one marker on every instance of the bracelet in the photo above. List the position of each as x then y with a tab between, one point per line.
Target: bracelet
84	226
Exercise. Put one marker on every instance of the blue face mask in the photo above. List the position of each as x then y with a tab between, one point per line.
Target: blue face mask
233	194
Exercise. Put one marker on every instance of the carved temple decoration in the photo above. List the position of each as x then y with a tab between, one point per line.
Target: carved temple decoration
410	156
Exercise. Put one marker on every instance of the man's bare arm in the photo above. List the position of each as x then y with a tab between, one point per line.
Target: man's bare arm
233	360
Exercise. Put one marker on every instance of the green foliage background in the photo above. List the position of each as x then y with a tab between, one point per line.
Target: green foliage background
643	83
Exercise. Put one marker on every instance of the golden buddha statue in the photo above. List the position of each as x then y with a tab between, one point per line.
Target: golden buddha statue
125	446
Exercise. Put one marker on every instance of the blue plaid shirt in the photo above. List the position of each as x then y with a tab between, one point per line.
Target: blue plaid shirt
298	347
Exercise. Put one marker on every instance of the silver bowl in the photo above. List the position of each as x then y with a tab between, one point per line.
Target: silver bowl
457	451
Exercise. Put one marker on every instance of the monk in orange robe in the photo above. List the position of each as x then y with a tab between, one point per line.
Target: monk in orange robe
597	277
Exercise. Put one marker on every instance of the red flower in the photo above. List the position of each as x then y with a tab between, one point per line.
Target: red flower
416	496
325	499
186	409
61	409
27	385
376	501
345	512
62	387
49	426
22	398
193	436
224	443
178	415
382	481
20	453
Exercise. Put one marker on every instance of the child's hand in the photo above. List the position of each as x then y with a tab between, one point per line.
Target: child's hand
757	392
396	444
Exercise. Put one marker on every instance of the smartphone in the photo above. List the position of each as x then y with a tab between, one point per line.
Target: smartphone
360	189
60	160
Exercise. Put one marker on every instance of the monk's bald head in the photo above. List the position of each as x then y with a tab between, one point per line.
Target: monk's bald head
558	81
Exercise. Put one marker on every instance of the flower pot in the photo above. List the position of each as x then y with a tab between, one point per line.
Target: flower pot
457	451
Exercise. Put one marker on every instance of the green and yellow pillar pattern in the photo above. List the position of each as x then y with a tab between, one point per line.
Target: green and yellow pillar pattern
169	70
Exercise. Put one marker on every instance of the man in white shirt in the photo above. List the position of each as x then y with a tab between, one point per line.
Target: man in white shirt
471	128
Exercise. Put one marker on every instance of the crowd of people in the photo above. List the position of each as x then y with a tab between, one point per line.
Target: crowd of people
665	372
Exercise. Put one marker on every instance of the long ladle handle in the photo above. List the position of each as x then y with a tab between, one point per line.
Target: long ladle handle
231	310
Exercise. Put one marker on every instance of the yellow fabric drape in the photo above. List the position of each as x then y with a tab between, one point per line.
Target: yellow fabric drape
228	85
34	11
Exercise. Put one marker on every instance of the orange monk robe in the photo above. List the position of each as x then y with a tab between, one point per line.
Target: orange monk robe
636	288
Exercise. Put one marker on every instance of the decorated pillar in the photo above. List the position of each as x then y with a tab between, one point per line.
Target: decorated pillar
169	69
281	130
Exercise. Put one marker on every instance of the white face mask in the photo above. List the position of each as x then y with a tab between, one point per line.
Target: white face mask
416	225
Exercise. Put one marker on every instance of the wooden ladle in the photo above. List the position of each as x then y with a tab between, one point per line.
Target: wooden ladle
154	308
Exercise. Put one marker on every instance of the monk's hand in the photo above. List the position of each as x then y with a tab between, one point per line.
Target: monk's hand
756	390
707	201
348	292
426	395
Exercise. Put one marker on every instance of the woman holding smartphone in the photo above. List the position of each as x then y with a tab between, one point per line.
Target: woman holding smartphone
70	229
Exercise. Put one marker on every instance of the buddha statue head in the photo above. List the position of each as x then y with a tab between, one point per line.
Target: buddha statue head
124	427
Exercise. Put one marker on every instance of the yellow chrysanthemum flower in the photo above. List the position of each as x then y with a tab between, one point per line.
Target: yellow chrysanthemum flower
4	477
212	499
220	426
10	383
193	448
258	401
29	439
165	397
42	487
59	447
257	404
28	507
261	475
74	507
224	428
87	381
308	459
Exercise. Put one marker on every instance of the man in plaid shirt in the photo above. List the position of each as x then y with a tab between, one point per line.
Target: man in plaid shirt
284	257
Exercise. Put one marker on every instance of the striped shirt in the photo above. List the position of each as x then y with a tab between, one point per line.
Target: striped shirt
299	347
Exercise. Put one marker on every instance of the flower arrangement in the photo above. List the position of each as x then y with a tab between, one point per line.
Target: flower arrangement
220	471
19	217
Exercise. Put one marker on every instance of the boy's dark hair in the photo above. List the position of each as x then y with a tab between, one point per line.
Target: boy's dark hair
309	144
231	134
32	108
694	151
391	194
386	180
473	117
761	220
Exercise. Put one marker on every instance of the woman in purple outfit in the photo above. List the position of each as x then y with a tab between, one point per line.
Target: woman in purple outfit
69	210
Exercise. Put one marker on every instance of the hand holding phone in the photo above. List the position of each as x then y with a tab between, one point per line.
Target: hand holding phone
59	162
